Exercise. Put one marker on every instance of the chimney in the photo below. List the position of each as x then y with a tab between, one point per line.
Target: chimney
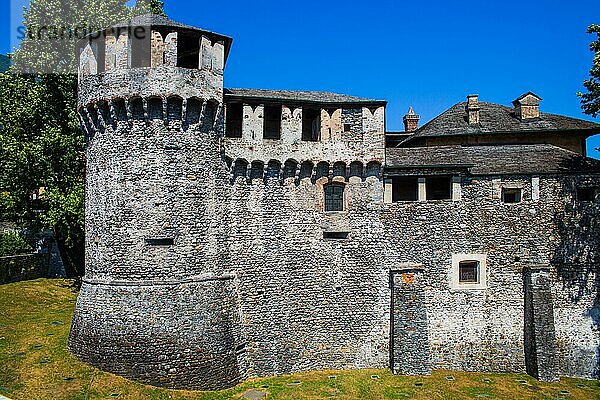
527	106
473	109
411	121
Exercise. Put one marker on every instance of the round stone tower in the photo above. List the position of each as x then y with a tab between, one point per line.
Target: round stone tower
157	303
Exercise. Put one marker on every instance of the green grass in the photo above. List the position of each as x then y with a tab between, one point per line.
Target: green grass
35	364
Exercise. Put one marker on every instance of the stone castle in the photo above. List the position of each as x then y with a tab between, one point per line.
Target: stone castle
235	233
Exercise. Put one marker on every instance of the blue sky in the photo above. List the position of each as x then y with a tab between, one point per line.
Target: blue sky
428	54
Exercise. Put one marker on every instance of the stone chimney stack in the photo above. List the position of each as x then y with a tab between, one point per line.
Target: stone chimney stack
411	121
473	109
527	106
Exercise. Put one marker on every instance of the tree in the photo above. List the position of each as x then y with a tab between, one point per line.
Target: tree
590	101
149	6
41	142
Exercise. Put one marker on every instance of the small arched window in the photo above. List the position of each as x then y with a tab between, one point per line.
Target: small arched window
334	197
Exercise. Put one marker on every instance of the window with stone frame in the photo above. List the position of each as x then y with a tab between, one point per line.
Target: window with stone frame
512	195
405	188
468	271
438	187
334	197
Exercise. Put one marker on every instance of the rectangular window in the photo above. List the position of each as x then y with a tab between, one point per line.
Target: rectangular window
272	126
586	194
512	196
438	188
405	189
233	120
311	124
347	127
334	197
468	272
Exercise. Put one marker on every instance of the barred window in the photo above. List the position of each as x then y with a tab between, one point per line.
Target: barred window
334	197
468	272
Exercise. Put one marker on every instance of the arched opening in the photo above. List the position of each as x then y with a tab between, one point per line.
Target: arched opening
272	173
93	114
240	169
136	105
356	169
289	169
119	109
257	170
192	111
209	115
104	109
322	170
174	108
155	108
373	169
306	170
339	169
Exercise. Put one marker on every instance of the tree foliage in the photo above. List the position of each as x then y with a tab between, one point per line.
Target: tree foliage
590	101
12	244
42	165
149	6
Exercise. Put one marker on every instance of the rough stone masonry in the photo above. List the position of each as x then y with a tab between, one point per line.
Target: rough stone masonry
235	233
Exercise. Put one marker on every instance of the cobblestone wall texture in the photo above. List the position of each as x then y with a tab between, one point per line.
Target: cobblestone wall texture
198	280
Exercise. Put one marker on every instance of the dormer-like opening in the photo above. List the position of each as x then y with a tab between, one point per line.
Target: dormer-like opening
527	106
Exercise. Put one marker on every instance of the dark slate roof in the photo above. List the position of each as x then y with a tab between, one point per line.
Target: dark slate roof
298	96
496	118
493	159
159	20
4	63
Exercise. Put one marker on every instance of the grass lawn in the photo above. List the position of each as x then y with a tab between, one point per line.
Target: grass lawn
35	364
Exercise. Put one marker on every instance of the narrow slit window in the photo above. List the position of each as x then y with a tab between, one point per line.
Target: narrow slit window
335	235
468	272
272	127
512	196
334	197
160	241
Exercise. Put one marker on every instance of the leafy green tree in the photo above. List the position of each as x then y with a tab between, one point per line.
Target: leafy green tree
149	6
12	244
590	101
42	165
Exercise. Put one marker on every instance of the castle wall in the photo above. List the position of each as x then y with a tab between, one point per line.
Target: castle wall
310	302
